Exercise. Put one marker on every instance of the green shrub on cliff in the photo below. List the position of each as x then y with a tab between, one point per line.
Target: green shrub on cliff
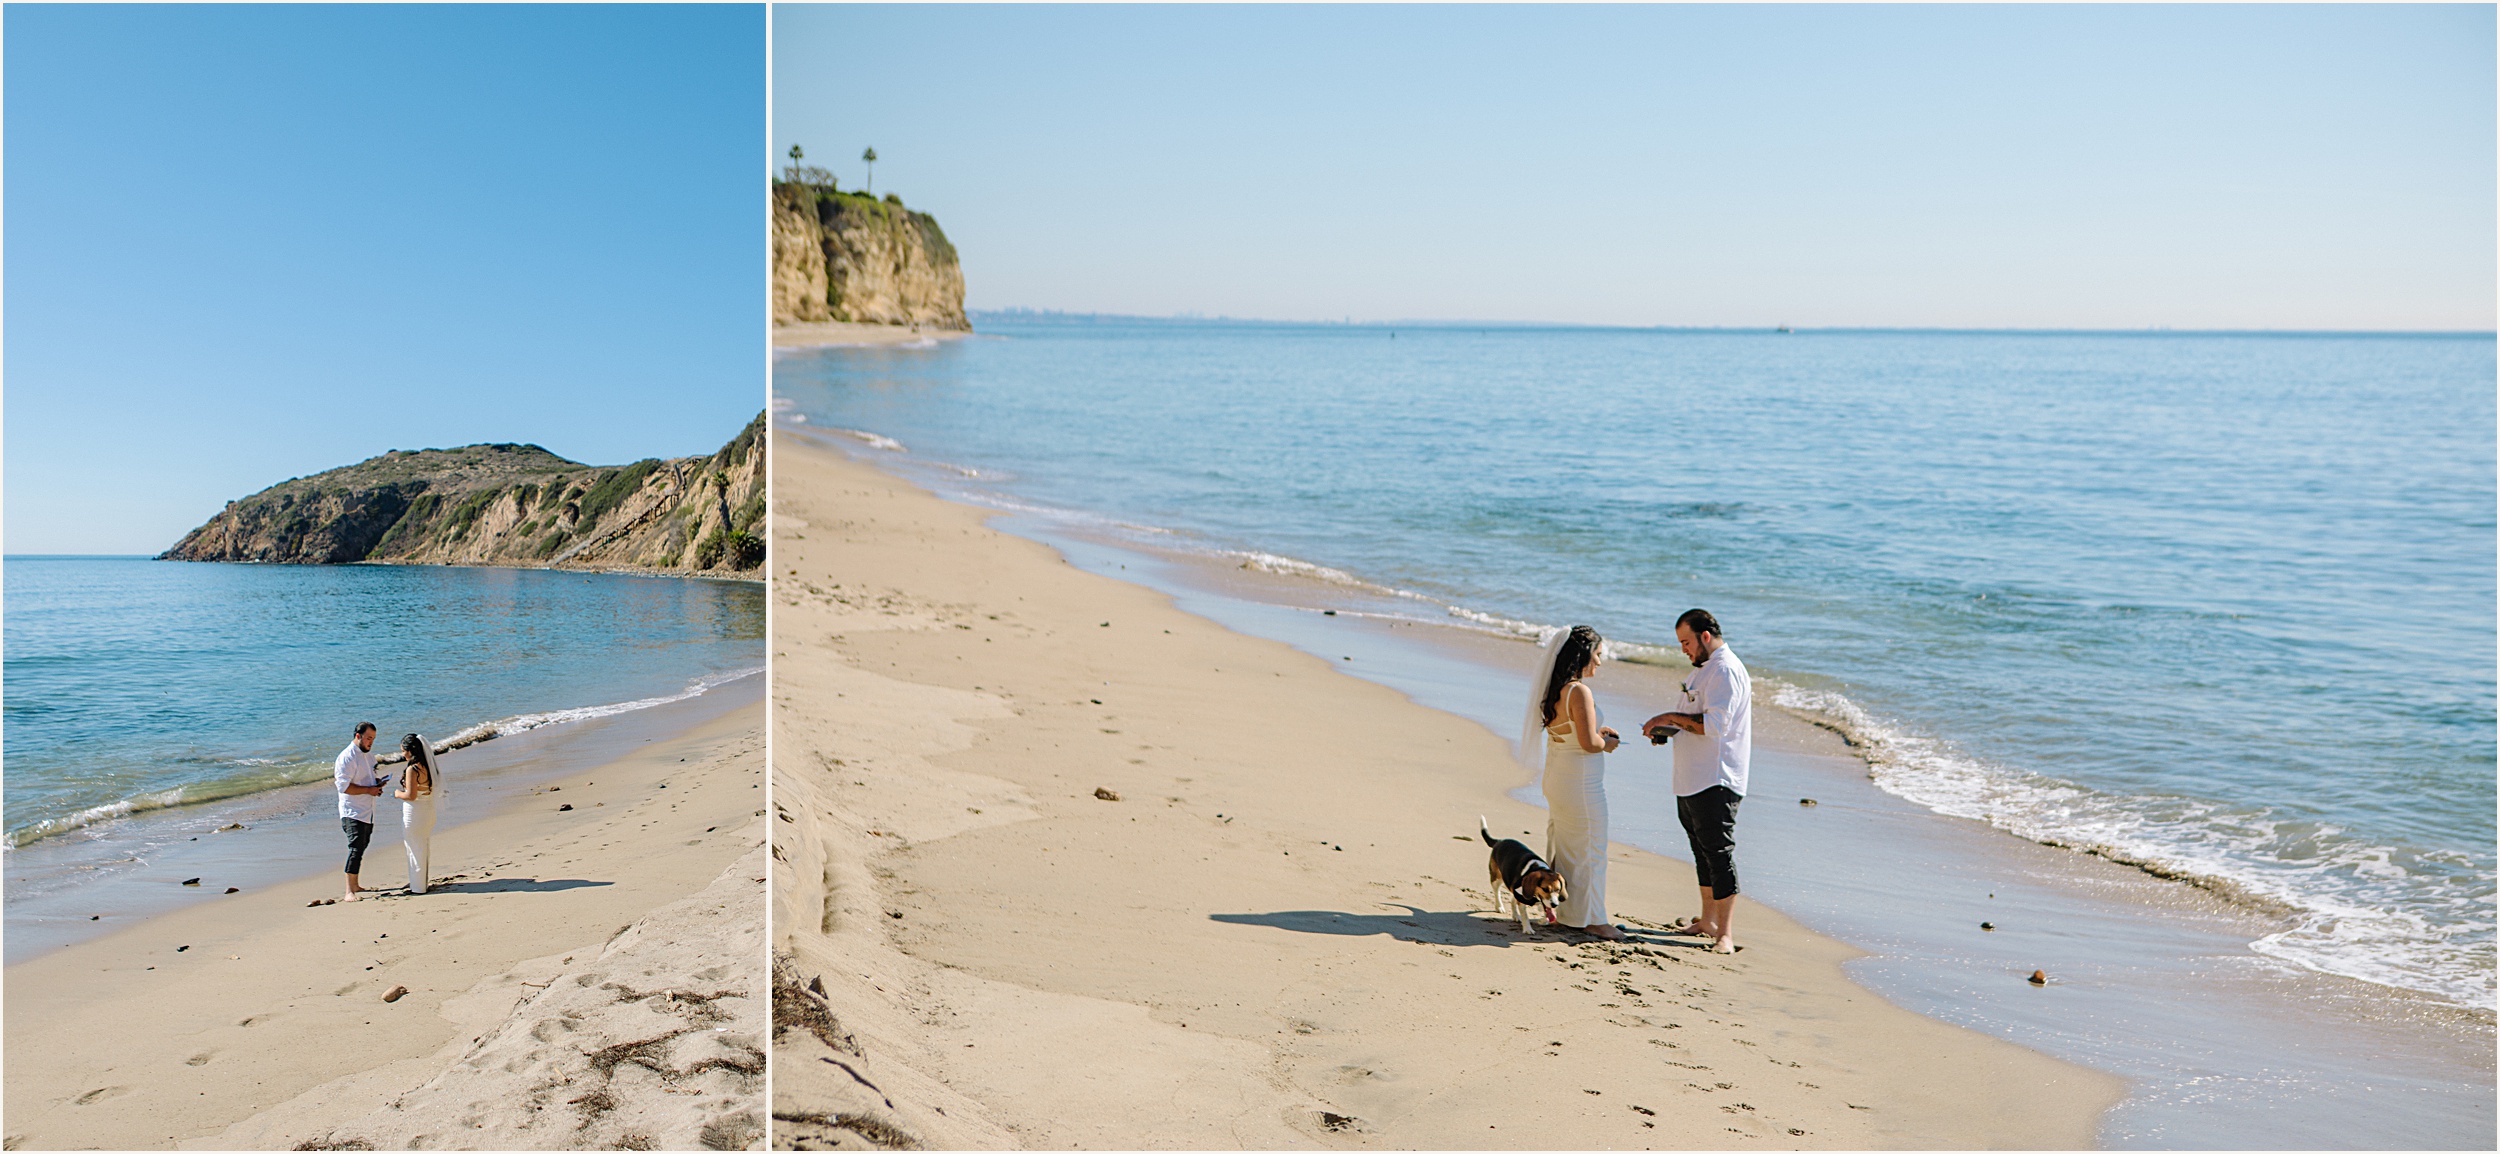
612	489
466	513
748	512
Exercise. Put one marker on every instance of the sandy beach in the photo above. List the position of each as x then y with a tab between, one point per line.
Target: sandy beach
1278	934
848	334
586	973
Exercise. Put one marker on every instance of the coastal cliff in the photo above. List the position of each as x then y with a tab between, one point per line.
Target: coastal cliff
516	505
846	256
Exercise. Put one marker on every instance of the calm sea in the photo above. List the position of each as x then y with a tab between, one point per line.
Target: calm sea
136	686
2222	605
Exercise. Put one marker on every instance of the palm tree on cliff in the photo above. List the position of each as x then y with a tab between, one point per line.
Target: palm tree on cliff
796	155
870	156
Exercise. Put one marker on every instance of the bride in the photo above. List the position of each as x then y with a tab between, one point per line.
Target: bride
1566	739
420	791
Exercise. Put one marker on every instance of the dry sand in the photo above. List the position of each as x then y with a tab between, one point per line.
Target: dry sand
849	334
579	979
1279	934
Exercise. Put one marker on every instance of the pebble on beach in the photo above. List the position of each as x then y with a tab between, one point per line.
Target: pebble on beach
2039	977
191	882
1805	801
234	889
1105	794
397	992
562	808
1987	925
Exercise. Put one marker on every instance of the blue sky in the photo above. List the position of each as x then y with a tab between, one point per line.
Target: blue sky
249	243
2114	166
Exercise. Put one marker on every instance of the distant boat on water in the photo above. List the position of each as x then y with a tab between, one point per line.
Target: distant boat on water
1784	329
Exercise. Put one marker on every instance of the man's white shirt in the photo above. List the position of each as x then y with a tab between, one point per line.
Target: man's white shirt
1721	691
355	767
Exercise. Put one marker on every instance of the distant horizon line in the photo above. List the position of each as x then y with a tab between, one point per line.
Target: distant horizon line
1222	319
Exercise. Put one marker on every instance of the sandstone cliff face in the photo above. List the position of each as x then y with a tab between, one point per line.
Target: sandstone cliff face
847	257
516	505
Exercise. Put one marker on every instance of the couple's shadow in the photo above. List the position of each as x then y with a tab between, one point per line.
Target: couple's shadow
1434	927
455	885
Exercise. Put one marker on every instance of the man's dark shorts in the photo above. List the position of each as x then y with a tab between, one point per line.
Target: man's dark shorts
359	835
1709	819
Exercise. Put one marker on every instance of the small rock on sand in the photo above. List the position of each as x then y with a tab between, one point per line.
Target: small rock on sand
1805	801
234	889
397	992
562	808
1987	925
233	826
1105	794
191	881
2039	977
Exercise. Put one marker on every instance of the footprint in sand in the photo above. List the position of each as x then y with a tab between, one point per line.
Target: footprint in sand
93	1096
199	1059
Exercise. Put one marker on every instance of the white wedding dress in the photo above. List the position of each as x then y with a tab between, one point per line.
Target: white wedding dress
1575	827
416	820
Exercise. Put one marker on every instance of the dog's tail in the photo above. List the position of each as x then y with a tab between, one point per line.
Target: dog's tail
1485	830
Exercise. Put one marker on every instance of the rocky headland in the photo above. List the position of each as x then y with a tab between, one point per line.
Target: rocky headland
847	257
509	505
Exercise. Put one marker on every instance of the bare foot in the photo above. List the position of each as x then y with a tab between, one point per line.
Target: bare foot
1723	946
351	895
1602	930
1693	929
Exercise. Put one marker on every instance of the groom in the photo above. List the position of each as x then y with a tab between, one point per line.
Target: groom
1710	766
358	787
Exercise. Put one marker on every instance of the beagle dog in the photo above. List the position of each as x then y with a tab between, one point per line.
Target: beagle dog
1517	871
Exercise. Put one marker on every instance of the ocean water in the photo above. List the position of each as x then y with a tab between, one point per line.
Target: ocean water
2219	606
142	691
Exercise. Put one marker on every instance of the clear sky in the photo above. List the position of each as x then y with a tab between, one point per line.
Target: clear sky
248	243
2114	166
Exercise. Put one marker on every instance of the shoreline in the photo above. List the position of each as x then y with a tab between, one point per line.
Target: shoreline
283	834
860	335
604	570
187	1027
2222	1046
1271	960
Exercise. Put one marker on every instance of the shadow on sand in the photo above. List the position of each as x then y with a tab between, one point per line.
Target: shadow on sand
505	886
1416	924
1438	927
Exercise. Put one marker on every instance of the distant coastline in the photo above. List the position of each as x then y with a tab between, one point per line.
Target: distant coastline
1054	316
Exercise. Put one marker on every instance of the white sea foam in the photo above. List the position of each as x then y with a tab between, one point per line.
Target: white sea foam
872	440
2335	930
1291	567
1509	627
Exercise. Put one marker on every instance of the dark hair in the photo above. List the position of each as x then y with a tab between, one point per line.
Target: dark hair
362	728
418	754
1700	621
1582	644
